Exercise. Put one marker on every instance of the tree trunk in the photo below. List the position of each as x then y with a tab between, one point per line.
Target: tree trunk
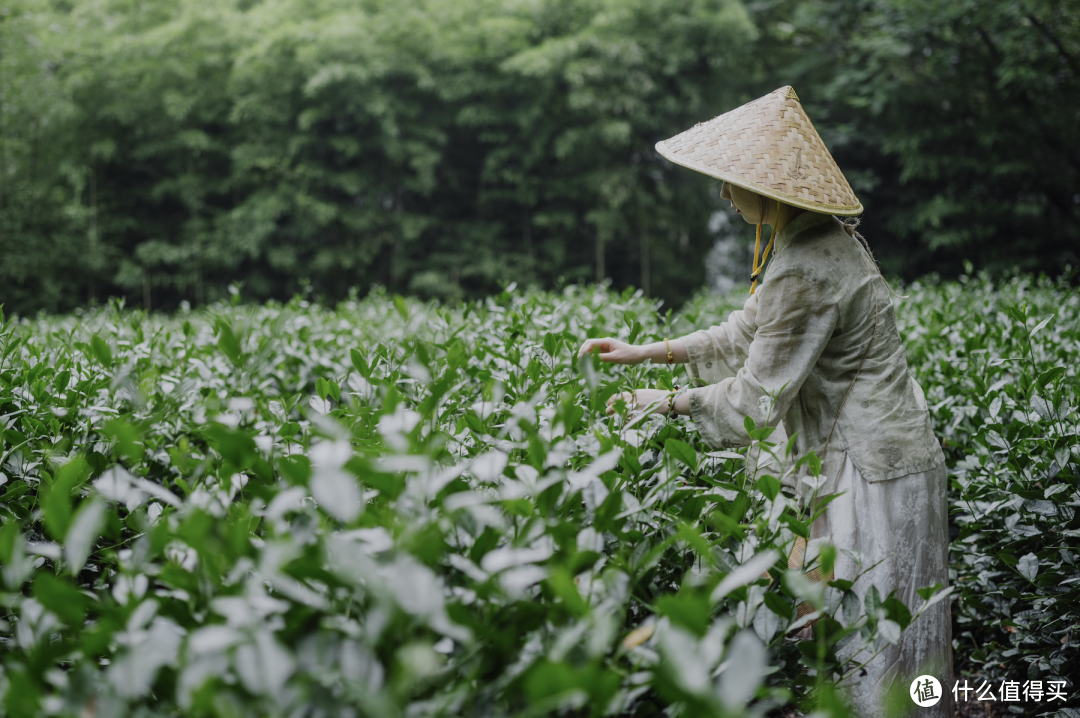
146	289
601	270
395	252
645	265
395	249
198	272
527	235
92	241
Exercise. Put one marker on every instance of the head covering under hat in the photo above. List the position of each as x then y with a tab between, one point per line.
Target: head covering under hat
768	146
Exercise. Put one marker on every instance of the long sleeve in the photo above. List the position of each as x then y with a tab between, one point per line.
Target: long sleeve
795	320
717	353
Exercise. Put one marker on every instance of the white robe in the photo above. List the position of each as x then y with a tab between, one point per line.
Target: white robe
817	347
822	317
902	526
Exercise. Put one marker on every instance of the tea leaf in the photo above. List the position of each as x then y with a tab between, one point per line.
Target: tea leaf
1028	566
101	351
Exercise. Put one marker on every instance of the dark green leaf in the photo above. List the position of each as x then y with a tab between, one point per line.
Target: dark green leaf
779	605
101	351
60	597
360	363
57	502
688	609
769	487
128	438
229	343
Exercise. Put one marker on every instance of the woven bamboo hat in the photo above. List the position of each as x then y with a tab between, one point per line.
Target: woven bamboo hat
768	146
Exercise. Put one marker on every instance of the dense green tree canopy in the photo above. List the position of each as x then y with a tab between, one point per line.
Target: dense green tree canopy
446	147
957	118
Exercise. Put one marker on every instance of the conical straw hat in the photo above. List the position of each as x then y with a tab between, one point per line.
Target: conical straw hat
768	146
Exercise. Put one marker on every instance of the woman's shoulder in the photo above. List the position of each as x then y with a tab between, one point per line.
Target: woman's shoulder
824	254
825	247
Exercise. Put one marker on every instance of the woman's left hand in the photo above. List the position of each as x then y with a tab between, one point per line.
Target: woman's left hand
639	400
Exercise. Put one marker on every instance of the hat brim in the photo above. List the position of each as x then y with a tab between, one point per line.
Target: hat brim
839	210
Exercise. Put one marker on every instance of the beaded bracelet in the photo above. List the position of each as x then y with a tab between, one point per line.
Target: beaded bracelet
671	402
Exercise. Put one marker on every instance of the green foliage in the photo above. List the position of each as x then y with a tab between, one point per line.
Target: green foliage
443	148
435	147
1000	370
998	362
389	509
954	122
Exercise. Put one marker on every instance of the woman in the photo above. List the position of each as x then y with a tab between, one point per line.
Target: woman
816	346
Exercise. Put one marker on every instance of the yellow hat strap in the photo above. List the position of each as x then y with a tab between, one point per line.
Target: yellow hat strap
758	268
757	248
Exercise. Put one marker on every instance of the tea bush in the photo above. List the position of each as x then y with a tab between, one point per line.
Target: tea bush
401	509
1000	366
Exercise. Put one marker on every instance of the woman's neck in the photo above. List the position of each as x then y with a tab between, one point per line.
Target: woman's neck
786	214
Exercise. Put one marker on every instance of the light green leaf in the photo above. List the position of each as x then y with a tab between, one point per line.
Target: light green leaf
1035	330
86	526
1028	566
889	630
683	452
551	344
744	574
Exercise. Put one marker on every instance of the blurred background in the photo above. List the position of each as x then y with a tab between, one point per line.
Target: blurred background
163	150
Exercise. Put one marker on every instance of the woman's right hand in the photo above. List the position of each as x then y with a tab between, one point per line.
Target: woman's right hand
613	350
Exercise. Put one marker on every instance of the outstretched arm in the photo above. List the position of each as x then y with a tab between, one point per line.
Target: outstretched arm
658	398
619	352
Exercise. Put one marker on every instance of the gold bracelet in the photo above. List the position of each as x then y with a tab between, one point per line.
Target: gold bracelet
670	353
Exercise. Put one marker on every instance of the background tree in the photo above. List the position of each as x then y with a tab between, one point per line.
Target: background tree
447	147
955	118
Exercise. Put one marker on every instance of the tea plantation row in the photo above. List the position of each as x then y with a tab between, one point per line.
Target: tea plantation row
399	509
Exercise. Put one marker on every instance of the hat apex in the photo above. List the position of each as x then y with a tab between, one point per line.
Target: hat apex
768	146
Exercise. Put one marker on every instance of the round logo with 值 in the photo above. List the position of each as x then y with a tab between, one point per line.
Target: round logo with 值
925	691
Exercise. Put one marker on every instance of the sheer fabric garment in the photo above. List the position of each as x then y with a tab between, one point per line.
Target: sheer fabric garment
902	526
822	316
818	348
